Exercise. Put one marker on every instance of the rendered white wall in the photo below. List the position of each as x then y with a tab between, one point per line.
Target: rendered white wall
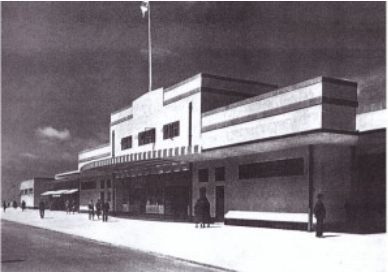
252	106
371	120
283	124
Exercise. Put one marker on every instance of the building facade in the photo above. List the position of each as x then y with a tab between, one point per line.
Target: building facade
263	153
31	190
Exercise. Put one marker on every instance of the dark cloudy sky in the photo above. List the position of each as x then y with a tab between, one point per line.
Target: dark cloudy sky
67	65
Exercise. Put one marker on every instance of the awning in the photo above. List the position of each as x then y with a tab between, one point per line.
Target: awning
48	193
69	192
60	192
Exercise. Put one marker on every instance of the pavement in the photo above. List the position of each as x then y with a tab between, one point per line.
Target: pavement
228	247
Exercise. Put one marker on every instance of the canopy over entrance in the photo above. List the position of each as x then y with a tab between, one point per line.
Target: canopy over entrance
60	192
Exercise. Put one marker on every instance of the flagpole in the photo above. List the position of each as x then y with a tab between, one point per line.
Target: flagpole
149	48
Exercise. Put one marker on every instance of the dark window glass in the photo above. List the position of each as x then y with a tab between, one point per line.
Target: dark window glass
102	184
171	130
88	185
108	196
280	168
126	143
147	137
219	174
203	175
108	184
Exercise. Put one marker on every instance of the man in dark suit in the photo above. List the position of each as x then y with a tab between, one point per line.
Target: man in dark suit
42	206
105	210
320	214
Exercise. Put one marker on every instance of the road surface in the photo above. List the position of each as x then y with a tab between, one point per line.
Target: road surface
26	248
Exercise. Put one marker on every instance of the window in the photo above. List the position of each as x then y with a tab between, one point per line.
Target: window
126	143
147	137
102	184
108	184
31	191
87	185
280	168
219	174
108	196
171	130
203	175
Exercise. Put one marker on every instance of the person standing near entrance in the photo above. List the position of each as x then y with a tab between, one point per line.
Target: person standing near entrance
320	214
67	206
105	210
73	206
23	205
42	206
91	210
4	205
98	209
198	213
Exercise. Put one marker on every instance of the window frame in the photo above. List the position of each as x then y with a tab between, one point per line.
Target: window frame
126	143
147	137
171	130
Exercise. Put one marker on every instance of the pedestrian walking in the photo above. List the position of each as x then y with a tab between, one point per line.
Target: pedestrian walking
105	211
91	210
14	204
4	205
98	209
41	208
320	214
23	205
67	206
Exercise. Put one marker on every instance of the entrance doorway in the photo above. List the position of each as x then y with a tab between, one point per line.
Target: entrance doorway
220	203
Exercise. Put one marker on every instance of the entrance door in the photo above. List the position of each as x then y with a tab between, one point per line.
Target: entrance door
102	197
220	203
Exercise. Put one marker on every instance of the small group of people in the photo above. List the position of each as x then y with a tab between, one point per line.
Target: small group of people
96	209
14	205
202	210
70	207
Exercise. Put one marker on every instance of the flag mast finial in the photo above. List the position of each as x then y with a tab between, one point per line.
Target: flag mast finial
146	9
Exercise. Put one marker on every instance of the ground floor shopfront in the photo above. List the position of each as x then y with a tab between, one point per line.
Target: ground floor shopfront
161	190
165	196
256	184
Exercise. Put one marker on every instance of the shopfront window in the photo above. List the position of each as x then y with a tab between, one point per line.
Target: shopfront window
219	174
88	185
203	175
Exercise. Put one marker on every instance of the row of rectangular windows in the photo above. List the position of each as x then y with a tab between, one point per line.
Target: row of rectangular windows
170	131
27	191
278	168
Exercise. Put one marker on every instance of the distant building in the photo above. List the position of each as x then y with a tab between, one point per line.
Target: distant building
31	190
263	153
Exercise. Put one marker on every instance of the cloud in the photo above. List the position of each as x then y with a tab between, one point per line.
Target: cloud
29	155
53	134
